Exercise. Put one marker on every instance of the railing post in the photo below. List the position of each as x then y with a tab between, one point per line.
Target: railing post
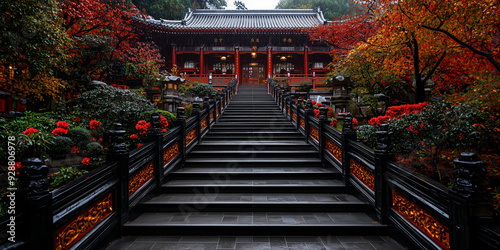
196	114
155	135
36	201
218	107
309	113
285	104
348	134
323	121
117	151
299	108
181	122
212	102
382	193
469	200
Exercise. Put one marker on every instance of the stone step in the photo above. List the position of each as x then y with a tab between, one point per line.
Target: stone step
254	145
264	163
252	186
253	223
254	173
262	202
253	154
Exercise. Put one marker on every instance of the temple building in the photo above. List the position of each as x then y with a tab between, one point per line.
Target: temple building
249	45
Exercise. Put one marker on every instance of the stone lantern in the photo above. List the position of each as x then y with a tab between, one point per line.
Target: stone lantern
341	93
169	89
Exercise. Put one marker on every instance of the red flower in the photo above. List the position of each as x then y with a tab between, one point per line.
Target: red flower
59	131
86	161
319	104
354	122
100	140
316	113
333	123
139	145
94	124
314	102
183	105
77	119
30	131
133	136
164	122
142	127
18	166
75	150
164	131
62	124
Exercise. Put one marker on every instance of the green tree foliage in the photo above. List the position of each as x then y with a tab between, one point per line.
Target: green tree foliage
175	9
33	44
240	5
332	9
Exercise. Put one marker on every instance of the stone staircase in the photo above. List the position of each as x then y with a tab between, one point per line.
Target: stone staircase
253	174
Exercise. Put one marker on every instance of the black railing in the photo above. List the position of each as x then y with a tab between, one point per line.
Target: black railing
427	214
90	211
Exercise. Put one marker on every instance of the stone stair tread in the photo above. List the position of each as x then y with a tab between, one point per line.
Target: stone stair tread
252	151
251	198
257	183
287	170
278	160
256	143
271	219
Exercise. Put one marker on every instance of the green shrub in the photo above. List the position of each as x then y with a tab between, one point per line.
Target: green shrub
188	110
62	146
94	149
202	90
65	175
366	134
108	105
80	137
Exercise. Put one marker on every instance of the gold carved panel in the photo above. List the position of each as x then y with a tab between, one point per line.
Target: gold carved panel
303	123
140	178
294	116
78	227
421	219
170	153
190	136
334	149
314	133
204	124
363	174
211	117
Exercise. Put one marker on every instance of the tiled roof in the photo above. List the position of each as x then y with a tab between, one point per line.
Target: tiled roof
242	20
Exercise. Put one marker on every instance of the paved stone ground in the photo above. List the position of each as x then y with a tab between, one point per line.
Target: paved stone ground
254	243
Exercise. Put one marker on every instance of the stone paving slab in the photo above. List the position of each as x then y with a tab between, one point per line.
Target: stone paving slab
255	242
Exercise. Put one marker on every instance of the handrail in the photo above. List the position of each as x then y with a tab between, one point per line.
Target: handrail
428	214
89	211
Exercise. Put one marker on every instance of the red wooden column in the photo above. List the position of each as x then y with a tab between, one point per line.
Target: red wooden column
202	61
306	60
269	62
237	64
174	55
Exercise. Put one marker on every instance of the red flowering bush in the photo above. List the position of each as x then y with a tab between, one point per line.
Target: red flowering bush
133	136
354	122
334	123
377	121
316	113
86	161
59	131
319	105
30	131
94	124
313	102
164	123
399	111
62	124
142	126
62	128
